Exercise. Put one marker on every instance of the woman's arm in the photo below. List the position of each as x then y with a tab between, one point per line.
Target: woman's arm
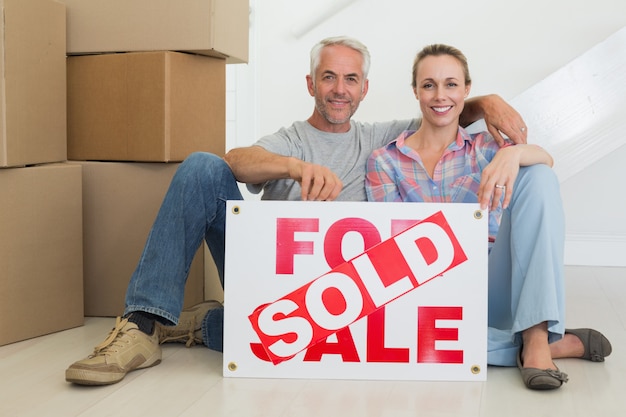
530	155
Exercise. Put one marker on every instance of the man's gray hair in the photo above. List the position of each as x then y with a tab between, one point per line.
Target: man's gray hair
352	43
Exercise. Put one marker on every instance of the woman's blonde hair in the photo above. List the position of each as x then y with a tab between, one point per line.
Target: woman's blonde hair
439	49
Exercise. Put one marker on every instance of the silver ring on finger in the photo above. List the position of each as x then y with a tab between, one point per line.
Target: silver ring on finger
500	186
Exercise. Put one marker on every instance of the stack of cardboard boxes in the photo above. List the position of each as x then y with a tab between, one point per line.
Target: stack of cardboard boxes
145	88
41	263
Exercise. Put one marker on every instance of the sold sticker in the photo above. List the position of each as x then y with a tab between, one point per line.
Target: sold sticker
357	288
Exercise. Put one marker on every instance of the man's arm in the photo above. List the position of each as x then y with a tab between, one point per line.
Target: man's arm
499	117
255	165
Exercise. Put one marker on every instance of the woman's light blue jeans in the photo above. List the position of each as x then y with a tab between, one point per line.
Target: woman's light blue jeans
526	283
194	208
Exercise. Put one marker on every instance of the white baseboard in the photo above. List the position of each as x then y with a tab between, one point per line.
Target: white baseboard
595	250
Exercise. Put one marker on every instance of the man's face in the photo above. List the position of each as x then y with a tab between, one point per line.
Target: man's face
338	88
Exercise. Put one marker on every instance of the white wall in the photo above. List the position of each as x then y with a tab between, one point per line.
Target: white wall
510	47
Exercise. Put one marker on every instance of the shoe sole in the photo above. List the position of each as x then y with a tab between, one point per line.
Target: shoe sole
94	378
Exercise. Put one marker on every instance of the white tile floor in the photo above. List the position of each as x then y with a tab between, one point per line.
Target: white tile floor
189	382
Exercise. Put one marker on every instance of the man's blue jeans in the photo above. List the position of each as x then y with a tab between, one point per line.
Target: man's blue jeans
193	209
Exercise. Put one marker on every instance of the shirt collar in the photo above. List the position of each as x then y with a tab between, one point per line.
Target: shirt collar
461	137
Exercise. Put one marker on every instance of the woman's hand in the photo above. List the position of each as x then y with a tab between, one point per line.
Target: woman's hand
498	178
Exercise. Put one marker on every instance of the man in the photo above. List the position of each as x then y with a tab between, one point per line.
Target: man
322	158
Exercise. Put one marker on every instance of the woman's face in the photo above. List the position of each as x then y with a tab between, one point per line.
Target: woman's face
440	89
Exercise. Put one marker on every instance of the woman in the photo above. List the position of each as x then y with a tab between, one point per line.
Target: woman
441	162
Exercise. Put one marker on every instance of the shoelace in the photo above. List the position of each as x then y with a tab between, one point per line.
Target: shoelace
190	336
110	341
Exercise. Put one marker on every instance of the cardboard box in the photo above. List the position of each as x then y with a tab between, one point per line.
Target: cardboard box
32	82
150	106
208	27
120	203
41	268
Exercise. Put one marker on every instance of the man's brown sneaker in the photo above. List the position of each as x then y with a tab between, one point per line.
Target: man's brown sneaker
125	349
189	327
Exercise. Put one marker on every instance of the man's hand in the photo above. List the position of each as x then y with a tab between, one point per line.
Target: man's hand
499	116
502	118
318	183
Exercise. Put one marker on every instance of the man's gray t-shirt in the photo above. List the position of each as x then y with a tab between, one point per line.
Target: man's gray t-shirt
344	153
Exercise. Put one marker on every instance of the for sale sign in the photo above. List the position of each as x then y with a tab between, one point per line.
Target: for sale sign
355	290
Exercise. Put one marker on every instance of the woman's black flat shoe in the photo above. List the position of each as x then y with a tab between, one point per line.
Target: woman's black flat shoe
541	379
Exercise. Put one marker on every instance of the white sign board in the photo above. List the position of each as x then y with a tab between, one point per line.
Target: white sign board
348	290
